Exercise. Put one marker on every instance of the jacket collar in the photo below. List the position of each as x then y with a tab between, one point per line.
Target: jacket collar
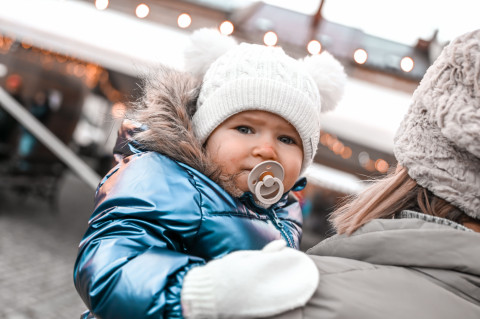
164	112
431	218
408	242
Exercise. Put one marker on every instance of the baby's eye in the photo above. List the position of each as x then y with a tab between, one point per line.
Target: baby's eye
244	129
287	140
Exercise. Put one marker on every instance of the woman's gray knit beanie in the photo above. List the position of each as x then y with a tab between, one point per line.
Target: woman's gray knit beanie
438	141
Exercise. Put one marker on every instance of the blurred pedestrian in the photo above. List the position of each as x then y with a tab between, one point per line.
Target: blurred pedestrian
184	197
8	124
406	247
39	107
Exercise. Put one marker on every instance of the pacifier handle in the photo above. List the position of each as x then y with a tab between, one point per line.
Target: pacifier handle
264	180
271	180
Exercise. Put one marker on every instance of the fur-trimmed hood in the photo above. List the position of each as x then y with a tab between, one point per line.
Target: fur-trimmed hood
165	109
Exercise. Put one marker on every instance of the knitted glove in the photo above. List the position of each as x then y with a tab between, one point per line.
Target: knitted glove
250	284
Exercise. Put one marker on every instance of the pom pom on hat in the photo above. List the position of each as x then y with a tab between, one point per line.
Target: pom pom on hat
328	73
205	46
256	77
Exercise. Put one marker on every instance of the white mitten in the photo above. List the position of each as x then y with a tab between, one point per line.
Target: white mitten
250	284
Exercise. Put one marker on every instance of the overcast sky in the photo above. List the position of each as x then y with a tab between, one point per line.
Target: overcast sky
403	21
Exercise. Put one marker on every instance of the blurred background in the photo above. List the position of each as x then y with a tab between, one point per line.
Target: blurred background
67	69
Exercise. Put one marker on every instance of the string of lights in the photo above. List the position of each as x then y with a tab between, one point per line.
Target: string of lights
270	38
336	146
91	74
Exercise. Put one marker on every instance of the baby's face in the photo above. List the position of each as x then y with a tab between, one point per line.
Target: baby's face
251	137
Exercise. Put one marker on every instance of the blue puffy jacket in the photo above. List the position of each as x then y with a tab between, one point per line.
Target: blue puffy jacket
154	219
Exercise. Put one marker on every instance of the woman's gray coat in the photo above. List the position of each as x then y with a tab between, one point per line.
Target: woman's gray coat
416	266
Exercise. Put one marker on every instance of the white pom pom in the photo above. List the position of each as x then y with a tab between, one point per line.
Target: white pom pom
330	77
205	46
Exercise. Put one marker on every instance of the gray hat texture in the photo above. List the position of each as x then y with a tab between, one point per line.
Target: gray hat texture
438	140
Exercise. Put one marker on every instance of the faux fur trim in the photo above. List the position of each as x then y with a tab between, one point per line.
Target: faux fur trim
165	109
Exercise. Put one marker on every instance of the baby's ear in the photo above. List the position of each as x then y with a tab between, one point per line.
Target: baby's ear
205	46
330	77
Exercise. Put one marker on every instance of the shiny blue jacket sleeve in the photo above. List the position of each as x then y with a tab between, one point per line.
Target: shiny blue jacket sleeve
131	261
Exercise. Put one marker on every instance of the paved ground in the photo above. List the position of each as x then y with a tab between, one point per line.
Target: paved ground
37	252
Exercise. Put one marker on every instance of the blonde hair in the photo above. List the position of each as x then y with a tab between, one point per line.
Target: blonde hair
387	197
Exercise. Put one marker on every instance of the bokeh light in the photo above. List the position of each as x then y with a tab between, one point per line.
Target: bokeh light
360	56
101	4
407	64
363	158
381	165
338	147
142	10
346	153
226	27
184	20
270	38
314	47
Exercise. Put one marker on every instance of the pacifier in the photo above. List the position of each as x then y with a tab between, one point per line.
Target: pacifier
265	182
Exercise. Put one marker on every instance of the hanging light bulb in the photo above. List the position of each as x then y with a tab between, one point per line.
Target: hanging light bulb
226	28
184	20
101	4
360	56
142	10
270	38
314	47
407	64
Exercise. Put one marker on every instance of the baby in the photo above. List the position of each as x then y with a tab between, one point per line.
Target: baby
211	171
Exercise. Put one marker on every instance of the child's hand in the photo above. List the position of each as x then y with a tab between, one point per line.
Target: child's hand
250	284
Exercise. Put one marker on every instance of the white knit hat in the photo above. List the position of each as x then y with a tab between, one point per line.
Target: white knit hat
439	139
245	77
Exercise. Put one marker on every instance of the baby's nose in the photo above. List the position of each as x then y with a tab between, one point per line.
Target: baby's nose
266	151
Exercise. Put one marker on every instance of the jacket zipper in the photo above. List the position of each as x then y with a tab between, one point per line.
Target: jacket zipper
270	212
279	226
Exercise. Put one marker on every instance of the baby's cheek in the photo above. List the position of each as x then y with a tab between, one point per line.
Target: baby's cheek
230	162
241	182
227	166
291	175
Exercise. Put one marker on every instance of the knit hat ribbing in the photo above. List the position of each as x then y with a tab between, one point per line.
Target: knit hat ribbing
256	77
438	141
